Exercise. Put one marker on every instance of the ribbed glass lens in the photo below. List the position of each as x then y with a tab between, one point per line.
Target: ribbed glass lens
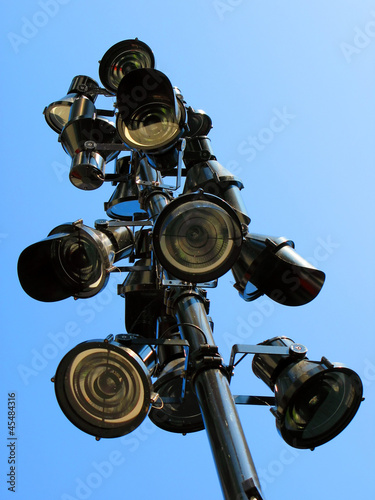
198	237
104	388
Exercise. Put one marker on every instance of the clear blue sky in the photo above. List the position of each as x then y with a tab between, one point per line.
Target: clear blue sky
311	180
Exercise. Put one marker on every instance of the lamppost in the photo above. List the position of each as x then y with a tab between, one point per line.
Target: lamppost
178	244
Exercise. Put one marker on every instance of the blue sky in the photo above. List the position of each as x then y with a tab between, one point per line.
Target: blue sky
310	179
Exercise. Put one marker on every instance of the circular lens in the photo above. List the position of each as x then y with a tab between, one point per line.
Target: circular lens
105	388
121	59
81	261
152	126
198	240
322	407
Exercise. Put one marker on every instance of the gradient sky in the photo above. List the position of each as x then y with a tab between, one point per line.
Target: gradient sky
290	88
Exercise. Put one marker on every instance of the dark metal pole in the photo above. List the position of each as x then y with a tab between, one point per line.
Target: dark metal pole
235	467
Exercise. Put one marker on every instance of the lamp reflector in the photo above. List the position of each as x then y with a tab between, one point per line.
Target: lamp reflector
315	401
197	237
121	58
104	388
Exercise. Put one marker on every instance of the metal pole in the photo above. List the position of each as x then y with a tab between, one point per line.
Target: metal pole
235	466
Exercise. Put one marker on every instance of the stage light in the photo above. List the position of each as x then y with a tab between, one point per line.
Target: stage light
151	117
197	237
87	168
181	415
124	202
213	178
57	113
271	266
199	123
104	387
315	401
143	299
74	260
119	60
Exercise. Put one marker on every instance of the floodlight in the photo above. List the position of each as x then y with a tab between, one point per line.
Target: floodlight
87	168
271	266
104	387
57	113
124	203
171	412
123	57
143	299
199	123
315	400
197	237
74	260
151	117
213	178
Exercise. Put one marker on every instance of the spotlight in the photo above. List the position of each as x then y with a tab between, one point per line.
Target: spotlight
315	401
177	408
104	387
197	237
182	416
271	266
151	117
199	123
119	60
74	260
124	202
213	178
87	168
143	299
57	113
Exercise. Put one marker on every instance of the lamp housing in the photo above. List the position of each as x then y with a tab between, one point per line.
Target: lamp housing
151	116
87	167
315	400
197	237
57	113
269	265
74	260
104	387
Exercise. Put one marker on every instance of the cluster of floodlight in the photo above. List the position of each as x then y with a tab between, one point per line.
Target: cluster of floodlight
105	386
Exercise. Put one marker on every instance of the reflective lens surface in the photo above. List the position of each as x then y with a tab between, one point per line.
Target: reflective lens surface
150	127
198	240
321	408
103	391
59	115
